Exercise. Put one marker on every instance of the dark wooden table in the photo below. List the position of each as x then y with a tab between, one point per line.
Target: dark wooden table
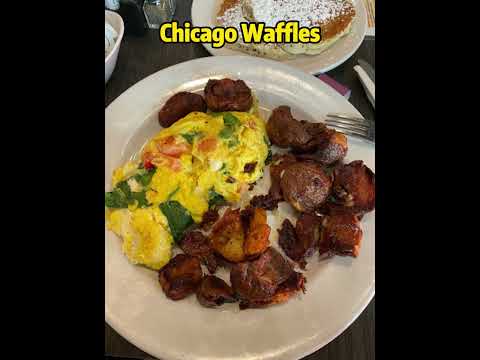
140	57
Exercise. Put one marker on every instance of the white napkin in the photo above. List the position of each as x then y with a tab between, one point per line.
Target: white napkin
110	38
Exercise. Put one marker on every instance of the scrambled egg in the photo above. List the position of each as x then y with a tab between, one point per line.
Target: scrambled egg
199	159
146	238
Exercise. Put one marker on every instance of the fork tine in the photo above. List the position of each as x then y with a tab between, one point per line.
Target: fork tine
347	117
354	132
347	126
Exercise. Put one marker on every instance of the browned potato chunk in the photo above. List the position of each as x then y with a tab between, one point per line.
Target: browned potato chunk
256	241
341	234
354	187
227	237
284	131
228	95
333	147
213	291
179	106
181	276
306	186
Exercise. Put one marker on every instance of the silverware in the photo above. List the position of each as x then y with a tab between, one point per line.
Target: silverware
368	69
352	125
365	72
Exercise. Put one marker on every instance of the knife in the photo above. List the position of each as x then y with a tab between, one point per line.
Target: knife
367	83
368	69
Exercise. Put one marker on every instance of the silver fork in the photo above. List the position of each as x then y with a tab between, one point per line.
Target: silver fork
352	125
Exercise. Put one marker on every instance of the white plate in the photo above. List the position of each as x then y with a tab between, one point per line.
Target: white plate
337	290
204	14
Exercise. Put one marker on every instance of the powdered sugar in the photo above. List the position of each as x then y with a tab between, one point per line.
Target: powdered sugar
307	12
232	18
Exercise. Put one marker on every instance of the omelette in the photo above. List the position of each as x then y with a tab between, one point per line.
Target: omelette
203	160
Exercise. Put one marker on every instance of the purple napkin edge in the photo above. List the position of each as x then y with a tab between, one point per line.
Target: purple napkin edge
341	89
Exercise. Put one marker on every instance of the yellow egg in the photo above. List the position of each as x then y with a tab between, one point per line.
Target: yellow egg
199	155
146	238
124	172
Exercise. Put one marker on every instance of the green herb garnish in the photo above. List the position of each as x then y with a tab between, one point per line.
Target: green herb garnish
179	218
215	199
230	120
116	199
144	176
124	187
226	132
122	196
190	136
231	123
140	198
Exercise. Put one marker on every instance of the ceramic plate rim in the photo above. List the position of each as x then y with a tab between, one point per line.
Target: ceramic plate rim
114	322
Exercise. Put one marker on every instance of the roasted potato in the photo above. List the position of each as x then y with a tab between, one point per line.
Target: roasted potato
194	243
306	186
238	236
341	234
284	292
257	280
227	237
179	106
213	291
181	276
256	241
332	147
284	131
354	187
228	95
299	243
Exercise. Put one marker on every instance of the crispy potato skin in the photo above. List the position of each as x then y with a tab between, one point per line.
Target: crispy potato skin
180	105
341	234
300	242
256	241
332	147
306	186
354	187
270	201
228	95
227	237
241	235
213	292
194	243
181	276
258	280
284	131
284	292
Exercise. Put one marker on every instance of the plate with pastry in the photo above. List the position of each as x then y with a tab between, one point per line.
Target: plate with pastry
343	24
238	225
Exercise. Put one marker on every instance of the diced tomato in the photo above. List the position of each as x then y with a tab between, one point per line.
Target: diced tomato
207	145
169	147
155	160
147	158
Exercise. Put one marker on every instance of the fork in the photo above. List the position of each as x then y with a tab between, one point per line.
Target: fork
352	125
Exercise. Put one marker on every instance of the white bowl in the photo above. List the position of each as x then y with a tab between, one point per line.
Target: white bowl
111	60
